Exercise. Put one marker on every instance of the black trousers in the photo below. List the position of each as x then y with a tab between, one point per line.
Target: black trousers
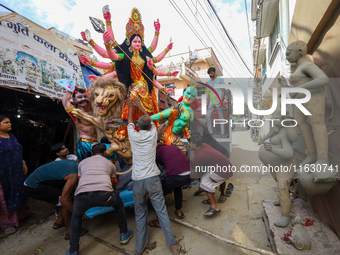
175	183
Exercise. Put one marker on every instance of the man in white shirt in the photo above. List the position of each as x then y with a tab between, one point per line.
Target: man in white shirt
62	152
211	104
96	176
145	176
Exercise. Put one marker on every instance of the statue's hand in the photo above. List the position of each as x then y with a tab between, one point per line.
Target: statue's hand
106	13
170	46
268	146
157	25
86	35
92	77
150	63
107	37
82	33
283	82
77	113
84	60
174	73
169	90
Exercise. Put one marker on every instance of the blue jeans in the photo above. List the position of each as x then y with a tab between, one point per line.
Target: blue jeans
87	200
153	187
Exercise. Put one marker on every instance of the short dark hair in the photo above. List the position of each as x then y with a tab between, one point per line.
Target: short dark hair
86	155
98	148
144	122
211	69
105	140
196	138
2	117
57	148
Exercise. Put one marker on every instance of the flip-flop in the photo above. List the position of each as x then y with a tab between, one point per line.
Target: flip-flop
212	210
230	187
10	230
153	224
182	216
206	202
221	199
58	225
228	193
197	192
83	232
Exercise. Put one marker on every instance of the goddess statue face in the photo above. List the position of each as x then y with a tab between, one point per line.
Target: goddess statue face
136	43
105	98
189	95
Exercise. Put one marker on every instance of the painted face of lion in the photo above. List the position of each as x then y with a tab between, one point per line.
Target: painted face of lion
105	98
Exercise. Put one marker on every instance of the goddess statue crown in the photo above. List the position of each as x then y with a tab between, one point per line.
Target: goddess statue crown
134	26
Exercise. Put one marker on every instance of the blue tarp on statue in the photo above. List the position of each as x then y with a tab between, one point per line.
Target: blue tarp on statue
88	70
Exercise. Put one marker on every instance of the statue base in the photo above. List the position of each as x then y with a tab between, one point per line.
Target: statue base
323	239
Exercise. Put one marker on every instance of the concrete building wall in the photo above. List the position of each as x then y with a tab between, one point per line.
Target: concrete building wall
318	24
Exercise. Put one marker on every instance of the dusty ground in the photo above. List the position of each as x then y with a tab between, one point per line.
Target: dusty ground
240	219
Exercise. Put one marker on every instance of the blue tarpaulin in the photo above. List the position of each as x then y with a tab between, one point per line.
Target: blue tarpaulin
88	70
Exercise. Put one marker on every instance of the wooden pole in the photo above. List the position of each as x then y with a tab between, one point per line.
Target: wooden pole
261	251
113	247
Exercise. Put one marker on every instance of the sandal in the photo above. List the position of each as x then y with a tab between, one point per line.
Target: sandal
58	225
206	202
182	216
153	224
10	230
83	232
212	210
197	192
222	199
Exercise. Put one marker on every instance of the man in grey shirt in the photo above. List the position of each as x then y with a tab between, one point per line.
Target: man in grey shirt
96	176
145	176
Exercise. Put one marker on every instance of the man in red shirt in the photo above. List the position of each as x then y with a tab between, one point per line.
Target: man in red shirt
215	166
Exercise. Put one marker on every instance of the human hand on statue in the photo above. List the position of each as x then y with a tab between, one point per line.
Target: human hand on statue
84	60
106	13
150	62
170	46
137	103
283	82
267	146
129	102
107	37
169	90
174	73
92	77
157	25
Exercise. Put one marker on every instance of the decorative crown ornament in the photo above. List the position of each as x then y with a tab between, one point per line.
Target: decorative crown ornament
134	26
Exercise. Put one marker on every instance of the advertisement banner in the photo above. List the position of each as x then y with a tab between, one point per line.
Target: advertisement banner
33	57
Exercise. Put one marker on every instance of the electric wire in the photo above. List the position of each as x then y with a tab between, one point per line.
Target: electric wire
229	37
209	37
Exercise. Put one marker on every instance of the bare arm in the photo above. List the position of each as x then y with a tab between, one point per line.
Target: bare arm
65	199
113	181
161	55
161	115
137	104
130	105
154	42
203	125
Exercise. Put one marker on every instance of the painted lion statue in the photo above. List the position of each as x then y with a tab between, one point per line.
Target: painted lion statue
107	98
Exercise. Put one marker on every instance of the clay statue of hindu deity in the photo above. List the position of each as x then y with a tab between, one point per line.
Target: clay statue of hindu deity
111	66
277	150
132	70
87	130
309	76
299	236
179	117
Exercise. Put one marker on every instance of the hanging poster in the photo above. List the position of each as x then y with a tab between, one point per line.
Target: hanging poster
33	57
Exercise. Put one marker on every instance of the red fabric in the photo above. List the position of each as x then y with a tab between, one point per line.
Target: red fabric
208	156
